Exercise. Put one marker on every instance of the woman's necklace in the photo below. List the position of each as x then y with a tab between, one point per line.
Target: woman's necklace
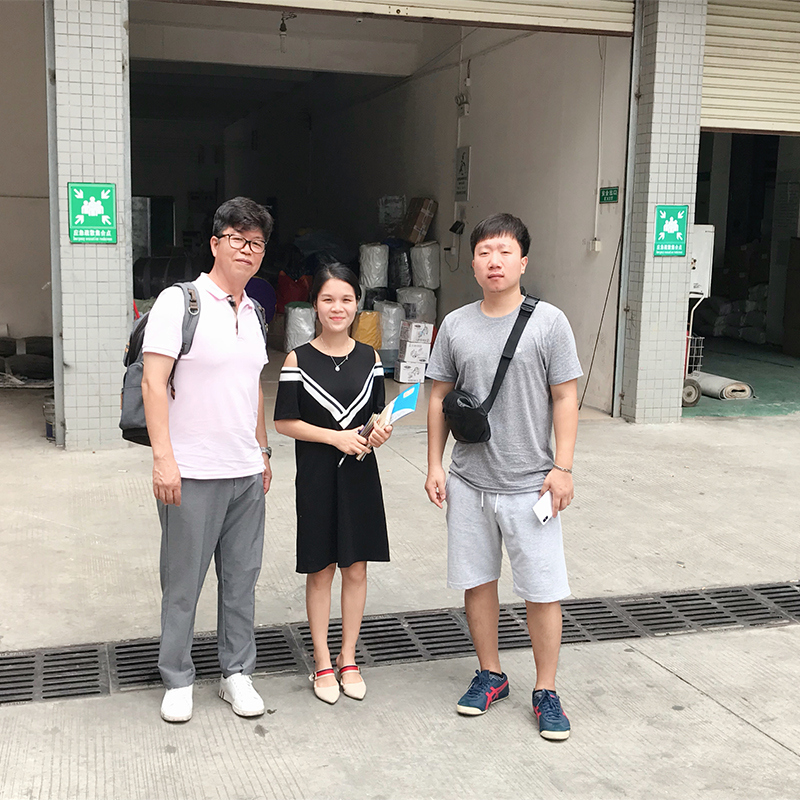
338	366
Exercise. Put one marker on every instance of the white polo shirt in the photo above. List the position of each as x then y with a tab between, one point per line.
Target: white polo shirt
212	419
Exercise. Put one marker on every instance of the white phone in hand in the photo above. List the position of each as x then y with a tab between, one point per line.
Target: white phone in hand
543	507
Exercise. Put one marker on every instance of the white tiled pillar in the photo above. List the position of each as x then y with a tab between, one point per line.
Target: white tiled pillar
665	172
91	137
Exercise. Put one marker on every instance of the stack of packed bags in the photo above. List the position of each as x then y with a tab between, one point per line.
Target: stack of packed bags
736	319
399	277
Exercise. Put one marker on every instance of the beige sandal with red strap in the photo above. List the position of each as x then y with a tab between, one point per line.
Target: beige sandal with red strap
355	690
328	694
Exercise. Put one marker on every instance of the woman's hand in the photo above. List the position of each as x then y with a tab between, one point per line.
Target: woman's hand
351	442
379	435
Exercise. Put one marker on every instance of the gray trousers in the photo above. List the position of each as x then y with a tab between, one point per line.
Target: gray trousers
223	518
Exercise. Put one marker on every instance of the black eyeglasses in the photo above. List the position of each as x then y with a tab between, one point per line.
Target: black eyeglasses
238	242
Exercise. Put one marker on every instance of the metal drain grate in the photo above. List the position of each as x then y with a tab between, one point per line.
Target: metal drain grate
135	663
387	639
74	673
786	596
599	620
441	634
303	634
512	630
744	605
394	638
17	678
275	650
699	610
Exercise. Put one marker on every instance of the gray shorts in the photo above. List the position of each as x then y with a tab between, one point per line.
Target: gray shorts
477	525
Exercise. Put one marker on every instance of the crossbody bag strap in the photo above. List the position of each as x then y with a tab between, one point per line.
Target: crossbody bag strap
525	312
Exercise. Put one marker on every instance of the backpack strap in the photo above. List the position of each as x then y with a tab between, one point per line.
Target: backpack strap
191	316
525	311
262	318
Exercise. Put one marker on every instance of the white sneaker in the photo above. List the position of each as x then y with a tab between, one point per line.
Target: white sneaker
238	690
177	704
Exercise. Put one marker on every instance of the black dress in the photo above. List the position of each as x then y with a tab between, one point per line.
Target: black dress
340	514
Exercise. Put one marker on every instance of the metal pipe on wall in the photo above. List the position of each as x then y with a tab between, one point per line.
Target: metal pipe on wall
59	426
624	272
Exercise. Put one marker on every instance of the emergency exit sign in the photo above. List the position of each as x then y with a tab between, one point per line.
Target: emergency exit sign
609	194
92	213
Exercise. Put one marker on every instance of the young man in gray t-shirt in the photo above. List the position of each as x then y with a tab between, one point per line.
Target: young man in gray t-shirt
493	485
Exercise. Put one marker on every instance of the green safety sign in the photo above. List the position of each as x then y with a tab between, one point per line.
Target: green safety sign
609	194
92	213
671	230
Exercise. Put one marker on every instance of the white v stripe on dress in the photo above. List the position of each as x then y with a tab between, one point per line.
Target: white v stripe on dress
343	416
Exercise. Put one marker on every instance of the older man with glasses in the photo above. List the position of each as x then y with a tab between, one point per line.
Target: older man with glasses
211	465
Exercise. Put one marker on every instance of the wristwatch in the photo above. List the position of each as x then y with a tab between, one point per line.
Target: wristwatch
268	451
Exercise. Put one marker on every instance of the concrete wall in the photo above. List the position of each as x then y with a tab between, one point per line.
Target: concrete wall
25	300
93	134
251	36
669	88
367	143
533	129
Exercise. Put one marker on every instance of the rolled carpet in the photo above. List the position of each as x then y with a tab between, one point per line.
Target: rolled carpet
723	388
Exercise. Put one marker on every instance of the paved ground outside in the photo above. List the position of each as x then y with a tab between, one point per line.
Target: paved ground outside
708	502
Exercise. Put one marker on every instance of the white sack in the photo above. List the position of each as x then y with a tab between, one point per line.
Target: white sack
419	303
300	326
374	262
755	319
754	335
425	264
392	315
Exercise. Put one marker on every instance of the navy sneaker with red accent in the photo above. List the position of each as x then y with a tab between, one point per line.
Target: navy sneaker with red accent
553	722
486	688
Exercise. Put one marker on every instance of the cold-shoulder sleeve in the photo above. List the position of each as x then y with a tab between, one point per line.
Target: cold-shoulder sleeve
287	401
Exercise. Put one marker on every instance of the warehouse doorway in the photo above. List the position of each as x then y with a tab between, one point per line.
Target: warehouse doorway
748	187
348	120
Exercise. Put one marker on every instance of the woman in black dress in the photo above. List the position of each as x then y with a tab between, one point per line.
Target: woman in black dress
328	390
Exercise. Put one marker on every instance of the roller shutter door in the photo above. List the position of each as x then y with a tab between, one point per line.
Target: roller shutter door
751	74
602	16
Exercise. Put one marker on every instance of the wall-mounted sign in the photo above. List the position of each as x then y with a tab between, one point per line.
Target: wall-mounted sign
609	194
671	230
462	174
92	213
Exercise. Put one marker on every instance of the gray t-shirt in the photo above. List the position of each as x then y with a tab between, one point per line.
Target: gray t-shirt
467	351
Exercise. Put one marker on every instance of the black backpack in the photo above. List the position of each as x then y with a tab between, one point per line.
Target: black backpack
132	420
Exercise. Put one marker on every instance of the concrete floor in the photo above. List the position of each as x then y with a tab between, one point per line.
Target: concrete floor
702	503
684	717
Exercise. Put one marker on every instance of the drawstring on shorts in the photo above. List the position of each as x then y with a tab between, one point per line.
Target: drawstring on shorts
496	501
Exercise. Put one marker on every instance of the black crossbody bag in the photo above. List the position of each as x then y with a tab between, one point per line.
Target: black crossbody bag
467	417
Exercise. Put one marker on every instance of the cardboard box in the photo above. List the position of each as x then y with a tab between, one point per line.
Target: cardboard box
409	372
417	352
411	331
418	219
